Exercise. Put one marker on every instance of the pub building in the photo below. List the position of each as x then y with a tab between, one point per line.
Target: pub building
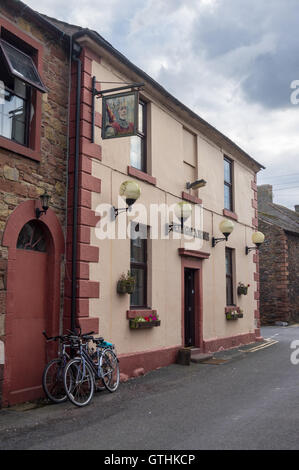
192	290
122	211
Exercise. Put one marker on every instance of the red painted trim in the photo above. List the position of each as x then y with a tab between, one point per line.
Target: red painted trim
140	313
33	151
231	308
191	198
194	253
147	360
218	344
230	215
18	218
19	149
88	324
141	175
88	253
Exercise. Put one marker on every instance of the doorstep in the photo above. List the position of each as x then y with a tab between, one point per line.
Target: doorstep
197	356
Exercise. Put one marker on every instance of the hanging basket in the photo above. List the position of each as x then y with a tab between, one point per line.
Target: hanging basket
242	290
122	287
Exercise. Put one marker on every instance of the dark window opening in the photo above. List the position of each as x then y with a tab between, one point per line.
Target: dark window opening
228	184
32	237
229	276
139	265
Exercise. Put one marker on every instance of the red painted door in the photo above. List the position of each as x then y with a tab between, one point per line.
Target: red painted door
28	343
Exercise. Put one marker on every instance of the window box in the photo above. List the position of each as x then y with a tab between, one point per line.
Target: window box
140	324
233	313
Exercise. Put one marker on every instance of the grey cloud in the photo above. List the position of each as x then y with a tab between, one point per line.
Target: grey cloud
230	27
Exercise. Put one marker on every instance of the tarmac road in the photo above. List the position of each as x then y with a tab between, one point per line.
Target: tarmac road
250	401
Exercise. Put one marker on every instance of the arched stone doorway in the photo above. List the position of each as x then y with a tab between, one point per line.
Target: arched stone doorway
35	248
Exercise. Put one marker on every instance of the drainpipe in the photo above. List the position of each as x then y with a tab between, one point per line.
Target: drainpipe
75	58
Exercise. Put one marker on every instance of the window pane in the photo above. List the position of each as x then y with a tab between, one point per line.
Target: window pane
138	252
138	296
140	118
13	118
227	171
227	197
32	237
21	65
136	160
229	277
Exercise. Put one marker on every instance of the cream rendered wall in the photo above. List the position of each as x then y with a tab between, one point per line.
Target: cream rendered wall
166	144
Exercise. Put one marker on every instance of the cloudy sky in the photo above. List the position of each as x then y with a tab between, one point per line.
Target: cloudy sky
230	61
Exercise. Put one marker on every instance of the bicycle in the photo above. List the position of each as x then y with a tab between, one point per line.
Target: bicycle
52	379
81	372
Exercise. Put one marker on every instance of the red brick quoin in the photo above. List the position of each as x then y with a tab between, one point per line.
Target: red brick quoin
86	253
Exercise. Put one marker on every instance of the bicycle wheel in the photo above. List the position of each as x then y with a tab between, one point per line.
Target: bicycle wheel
53	381
78	382
110	370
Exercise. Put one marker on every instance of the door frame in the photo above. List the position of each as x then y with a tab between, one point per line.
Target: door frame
19	217
193	260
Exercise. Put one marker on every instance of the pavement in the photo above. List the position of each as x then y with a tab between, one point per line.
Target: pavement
33	414
242	398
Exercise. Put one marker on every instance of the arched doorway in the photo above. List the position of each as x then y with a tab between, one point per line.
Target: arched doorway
33	299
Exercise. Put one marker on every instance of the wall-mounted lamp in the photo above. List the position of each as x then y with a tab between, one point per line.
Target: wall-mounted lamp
130	191
196	184
182	210
45	198
226	227
257	238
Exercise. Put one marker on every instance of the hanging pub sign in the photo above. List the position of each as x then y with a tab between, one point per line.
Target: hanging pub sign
120	115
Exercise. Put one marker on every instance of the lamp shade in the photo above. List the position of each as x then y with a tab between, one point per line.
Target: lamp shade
45	198
183	210
258	238
130	191
226	227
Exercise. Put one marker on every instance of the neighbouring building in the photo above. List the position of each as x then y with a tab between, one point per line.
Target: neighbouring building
35	67
191	288
279	259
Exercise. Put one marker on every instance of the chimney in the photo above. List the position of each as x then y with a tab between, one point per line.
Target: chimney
264	194
297	208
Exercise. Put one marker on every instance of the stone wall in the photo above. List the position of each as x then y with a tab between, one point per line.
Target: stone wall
274	275
293	253
22	178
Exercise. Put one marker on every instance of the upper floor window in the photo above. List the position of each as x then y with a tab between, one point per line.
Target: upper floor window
18	80
228	184
138	142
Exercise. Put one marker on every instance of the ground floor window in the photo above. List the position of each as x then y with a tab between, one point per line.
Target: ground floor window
229	276
139	265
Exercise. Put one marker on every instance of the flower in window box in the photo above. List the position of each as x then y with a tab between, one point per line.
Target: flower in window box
145	322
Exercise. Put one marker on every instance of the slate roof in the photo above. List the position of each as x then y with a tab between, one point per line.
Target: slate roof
280	216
